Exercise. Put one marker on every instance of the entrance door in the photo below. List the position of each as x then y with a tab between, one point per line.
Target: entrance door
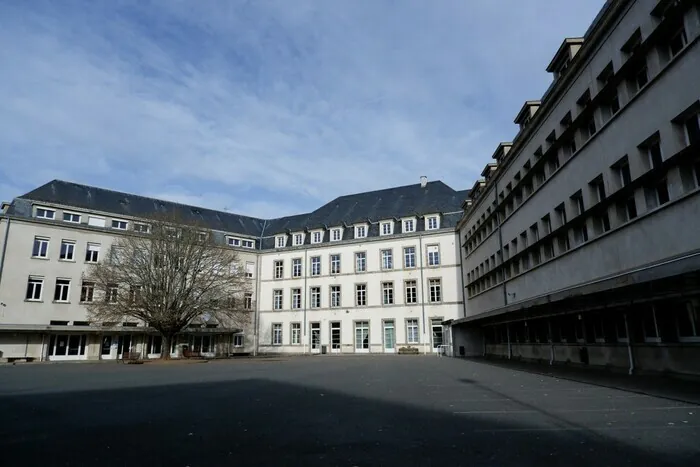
106	346
335	337
389	337
315	337
124	345
362	336
437	334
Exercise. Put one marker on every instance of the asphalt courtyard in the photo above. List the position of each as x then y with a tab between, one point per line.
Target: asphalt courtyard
328	411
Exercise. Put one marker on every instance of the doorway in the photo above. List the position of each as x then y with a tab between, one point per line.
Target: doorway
362	336
389	336
437	334
335	337
123	345
315	337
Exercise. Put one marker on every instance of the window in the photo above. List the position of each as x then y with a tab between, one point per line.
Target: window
432	223
677	42
67	251
360	261
534	232
598	188
590	127
654	152
71	217
581	234
111	293
412	331
408	226
386	228
409	257
249	269
360	295
44	213
247	243
277	299
237	340
564	244
360	231
687	320
119	224
577	201
296	299
61	291
296	334
298	239
335	264
657	194
387	259
548	249
87	292
280	241
632	44
387	293
34	288
638	80
277	334
135	293
40	248
96	221
622	171
315	297
248	301
602	223
279	269
233	241
315	265
627	209
433	255
435	290
141	227
296	267
92	253
547	224
335	235
316	237
335	296
411	292
692	130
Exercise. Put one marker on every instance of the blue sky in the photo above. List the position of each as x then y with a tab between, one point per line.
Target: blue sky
269	107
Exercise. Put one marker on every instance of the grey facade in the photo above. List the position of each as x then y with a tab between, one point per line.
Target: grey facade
581	243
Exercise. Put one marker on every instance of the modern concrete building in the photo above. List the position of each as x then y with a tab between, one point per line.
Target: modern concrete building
370	272
581	244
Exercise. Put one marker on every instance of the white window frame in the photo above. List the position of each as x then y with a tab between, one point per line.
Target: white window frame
119	223
386	228
360	261
432	223
336	235
64	287
89	297
141	227
280	241
278	269
232	241
360	231
34	281
409	252
296	298
249	269
433	255
248	301
315	294
332	259
277	335
387	259
238	340
295	329
435	290
92	247
315	266
316	237
41	241
336	297
409	225
247	243
45	213
70	250
388	293
297	268
412	324
71	216
407	286
278	299
298	239
112	293
360	295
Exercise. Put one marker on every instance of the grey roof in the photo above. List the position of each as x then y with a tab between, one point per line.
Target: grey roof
390	203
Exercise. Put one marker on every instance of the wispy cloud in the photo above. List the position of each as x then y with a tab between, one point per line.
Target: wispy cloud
267	108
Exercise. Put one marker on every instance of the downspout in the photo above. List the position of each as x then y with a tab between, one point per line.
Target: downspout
256	318
510	345
422	290
4	247
461	276
551	342
500	240
304	293
629	345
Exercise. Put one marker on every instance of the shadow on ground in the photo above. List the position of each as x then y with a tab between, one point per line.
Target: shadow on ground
261	422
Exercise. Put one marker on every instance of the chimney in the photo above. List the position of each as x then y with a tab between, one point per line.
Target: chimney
423	181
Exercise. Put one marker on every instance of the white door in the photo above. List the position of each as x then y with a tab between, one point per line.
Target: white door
362	336
315	337
335	337
389	337
437	334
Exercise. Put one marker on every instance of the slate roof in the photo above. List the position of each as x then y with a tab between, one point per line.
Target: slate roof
390	203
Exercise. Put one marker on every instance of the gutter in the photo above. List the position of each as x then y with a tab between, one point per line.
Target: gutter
4	247
422	289
256	317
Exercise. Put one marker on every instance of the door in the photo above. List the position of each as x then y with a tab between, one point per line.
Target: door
315	337
335	337
389	337
362	336
106	350
436	325
124	345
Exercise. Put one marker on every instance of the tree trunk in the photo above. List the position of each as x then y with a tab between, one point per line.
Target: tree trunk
165	349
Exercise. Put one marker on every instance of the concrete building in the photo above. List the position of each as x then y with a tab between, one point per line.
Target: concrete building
581	244
370	272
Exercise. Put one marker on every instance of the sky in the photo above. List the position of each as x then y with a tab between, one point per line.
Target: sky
267	107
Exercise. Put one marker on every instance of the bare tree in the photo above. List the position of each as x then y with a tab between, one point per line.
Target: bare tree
168	277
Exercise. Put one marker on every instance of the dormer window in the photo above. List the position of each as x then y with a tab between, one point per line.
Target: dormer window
298	239
233	241
360	231
336	235
316	237
280	241
119	224
409	226
432	223
386	228
44	213
140	227
71	217
247	243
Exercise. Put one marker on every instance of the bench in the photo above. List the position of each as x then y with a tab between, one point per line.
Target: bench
131	357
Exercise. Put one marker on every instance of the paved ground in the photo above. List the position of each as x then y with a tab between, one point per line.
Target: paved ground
327	411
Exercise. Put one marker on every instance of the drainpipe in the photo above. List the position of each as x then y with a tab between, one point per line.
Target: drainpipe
551	342
500	240
629	345
461	276
510	346
422	291
304	293
256	313
4	247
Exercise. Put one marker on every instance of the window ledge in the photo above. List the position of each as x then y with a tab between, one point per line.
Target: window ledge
66	260
29	300
45	258
60	302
